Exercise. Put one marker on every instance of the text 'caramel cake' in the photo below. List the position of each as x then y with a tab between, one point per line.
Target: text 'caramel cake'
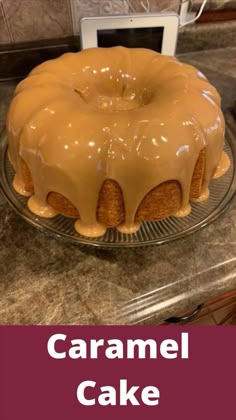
115	136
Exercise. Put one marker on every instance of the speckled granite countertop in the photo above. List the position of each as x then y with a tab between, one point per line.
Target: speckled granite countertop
45	281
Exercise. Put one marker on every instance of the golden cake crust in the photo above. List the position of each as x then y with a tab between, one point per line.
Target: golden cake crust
163	201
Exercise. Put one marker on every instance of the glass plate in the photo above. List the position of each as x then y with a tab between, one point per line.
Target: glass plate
151	233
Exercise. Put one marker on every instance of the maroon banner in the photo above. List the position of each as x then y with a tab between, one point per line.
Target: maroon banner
117	373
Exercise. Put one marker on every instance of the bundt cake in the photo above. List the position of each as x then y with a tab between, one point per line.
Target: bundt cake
113	137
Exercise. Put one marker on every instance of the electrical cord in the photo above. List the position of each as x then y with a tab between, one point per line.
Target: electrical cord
196	17
146	7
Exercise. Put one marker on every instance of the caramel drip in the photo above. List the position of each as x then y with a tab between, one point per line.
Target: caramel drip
98	229
184	211
129	115
41	208
203	197
223	166
129	228
19	186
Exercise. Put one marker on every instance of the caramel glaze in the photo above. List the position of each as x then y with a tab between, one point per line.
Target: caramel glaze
130	115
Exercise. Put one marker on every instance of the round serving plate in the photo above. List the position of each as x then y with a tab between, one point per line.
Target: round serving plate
222	191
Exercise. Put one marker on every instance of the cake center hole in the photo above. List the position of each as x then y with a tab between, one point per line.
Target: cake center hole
116	103
110	103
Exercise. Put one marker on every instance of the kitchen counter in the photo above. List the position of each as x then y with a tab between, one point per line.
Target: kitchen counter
46	281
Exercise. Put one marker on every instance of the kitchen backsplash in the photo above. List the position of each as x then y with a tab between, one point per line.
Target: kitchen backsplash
31	20
214	4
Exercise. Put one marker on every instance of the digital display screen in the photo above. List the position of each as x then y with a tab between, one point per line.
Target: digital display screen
132	38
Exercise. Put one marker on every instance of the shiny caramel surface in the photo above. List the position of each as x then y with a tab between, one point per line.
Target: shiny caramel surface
131	115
